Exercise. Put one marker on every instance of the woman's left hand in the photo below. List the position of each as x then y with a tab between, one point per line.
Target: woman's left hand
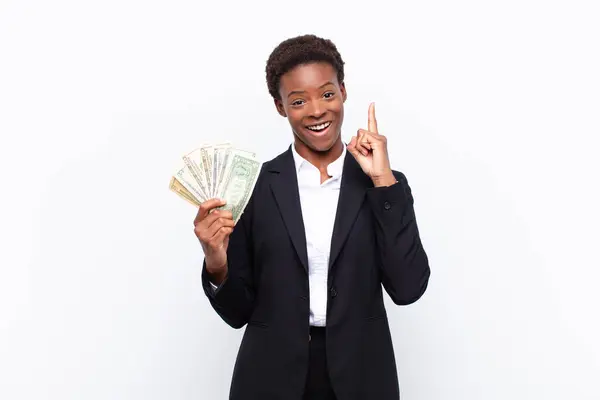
369	148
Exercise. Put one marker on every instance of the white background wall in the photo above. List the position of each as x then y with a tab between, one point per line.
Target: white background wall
491	109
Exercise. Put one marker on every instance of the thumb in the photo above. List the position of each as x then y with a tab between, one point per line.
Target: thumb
352	147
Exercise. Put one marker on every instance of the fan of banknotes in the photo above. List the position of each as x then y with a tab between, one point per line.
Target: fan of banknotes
217	171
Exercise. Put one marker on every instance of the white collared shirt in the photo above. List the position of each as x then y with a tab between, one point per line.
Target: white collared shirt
319	207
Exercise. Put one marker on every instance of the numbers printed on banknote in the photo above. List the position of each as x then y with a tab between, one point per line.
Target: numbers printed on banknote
217	171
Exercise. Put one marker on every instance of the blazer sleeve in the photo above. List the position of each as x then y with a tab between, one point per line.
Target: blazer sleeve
233	299
403	261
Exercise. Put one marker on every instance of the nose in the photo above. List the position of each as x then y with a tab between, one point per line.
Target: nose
317	109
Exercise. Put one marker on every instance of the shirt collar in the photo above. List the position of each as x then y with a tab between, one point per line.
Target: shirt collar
334	169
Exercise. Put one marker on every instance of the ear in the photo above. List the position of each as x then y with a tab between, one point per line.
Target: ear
343	90
280	109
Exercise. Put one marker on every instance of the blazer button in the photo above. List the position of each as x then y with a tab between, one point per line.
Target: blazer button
387	205
333	292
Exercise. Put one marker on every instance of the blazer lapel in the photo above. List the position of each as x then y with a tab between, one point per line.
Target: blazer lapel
352	191
284	185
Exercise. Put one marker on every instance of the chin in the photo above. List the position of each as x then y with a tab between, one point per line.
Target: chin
324	145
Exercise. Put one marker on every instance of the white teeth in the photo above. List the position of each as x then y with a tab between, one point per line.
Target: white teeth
319	127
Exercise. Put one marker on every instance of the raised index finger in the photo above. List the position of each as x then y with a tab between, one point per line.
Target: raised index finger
372	120
205	208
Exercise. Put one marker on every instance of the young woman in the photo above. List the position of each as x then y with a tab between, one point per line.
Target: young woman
328	225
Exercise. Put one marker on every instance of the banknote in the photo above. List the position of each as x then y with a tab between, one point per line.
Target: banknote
225	166
217	171
206	158
239	183
179	189
220	155
193	162
186	179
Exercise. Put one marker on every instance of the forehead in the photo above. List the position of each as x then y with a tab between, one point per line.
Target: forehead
307	77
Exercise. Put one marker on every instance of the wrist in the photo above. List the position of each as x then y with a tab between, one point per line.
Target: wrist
218	277
217	274
387	179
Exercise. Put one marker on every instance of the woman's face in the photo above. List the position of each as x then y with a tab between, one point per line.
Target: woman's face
312	99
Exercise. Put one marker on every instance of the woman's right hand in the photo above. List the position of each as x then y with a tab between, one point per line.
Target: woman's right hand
213	227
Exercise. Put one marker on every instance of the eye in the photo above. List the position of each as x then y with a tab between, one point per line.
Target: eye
297	103
329	95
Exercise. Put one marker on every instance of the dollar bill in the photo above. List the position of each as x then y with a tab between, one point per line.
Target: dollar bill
185	178
179	189
220	153
206	158
194	166
226	166
224	157
239	183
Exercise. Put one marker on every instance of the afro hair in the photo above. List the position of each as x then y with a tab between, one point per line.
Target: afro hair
300	50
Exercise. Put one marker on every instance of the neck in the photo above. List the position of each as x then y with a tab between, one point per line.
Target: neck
320	159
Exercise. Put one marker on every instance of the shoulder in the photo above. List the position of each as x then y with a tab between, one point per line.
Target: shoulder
266	170
276	162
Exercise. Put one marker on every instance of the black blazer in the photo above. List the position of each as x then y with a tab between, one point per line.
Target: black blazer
375	242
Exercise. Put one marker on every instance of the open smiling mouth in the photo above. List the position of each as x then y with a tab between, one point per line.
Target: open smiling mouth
320	128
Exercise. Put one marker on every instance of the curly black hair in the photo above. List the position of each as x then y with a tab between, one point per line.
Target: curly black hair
301	50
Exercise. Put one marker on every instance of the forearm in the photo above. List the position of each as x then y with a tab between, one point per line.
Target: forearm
404	264
232	297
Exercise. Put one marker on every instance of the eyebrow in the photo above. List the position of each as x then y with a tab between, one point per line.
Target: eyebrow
302	91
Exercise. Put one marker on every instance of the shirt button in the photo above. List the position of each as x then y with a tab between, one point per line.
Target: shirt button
333	292
387	205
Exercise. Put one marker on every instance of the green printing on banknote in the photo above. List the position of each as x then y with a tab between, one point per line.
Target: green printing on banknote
188	185
206	160
220	153
239	184
194	170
